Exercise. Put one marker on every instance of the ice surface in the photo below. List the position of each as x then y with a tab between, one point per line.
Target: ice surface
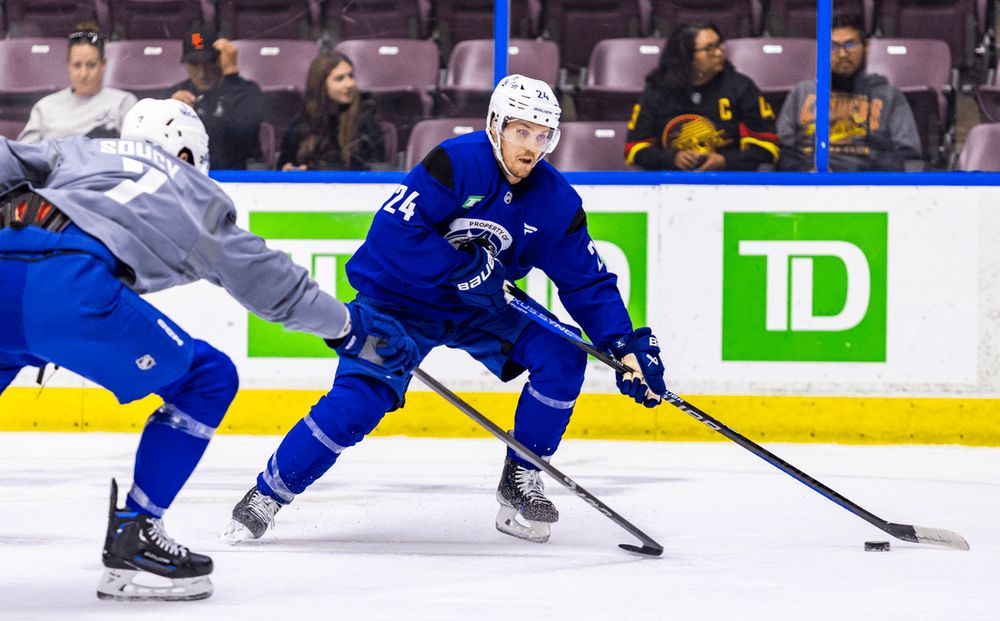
403	529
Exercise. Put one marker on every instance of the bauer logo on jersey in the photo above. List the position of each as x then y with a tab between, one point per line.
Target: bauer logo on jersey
693	132
486	232
145	363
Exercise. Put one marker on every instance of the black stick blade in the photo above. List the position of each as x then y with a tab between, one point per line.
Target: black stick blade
644	550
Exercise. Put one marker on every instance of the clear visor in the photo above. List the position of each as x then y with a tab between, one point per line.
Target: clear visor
540	140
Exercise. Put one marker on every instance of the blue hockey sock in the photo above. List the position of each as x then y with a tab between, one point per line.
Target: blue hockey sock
539	423
340	419
176	435
547	400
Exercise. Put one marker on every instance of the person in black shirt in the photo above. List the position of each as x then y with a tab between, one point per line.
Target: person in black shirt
337	128
697	113
230	106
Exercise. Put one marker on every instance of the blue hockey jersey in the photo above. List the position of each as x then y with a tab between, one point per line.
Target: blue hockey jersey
459	193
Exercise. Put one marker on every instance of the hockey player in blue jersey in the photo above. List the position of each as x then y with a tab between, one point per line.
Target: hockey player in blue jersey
88	225
481	209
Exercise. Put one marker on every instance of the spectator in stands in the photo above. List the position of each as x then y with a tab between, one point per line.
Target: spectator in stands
871	124
697	112
87	107
231	107
337	128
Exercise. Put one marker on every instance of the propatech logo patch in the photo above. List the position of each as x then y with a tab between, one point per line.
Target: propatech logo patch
804	287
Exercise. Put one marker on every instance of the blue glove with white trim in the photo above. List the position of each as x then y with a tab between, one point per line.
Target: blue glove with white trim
376	338
479	282
640	351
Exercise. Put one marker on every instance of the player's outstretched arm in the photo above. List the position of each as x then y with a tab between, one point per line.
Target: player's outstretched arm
376	338
641	351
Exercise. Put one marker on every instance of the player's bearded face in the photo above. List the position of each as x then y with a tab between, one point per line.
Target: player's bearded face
522	144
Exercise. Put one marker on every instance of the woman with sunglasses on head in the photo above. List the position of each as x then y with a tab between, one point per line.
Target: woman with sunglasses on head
697	112
87	107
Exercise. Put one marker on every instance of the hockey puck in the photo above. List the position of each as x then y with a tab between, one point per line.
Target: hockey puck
876	546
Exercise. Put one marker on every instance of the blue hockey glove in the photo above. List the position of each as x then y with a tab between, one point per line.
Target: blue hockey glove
376	338
640	351
479	283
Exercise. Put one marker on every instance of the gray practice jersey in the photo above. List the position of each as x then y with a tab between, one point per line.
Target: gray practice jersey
170	224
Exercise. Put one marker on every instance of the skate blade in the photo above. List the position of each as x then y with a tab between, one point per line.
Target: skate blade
509	524
124	585
236	533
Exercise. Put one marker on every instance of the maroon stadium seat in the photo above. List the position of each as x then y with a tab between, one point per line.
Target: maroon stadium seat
146	67
577	25
376	19
158	19
462	20
49	18
429	133
797	18
593	145
955	22
775	64
922	70
981	150
280	68
468	81
270	19
616	77
29	70
735	18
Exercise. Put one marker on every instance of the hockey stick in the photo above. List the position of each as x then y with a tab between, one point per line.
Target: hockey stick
649	546
906	532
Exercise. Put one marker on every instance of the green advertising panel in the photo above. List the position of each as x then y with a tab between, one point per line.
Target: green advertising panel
627	231
804	287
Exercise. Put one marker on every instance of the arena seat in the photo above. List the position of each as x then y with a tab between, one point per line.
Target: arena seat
981	150
775	64
468	81
593	145
158	19
615	77
429	133
145	67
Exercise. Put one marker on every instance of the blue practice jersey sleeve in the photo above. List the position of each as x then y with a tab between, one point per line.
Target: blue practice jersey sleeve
405	237
586	288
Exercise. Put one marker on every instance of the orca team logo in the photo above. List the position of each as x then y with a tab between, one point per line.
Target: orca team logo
487	233
693	132
805	287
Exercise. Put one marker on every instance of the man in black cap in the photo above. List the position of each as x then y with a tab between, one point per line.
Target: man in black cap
231	107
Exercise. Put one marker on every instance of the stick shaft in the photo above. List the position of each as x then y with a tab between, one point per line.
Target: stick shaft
526	453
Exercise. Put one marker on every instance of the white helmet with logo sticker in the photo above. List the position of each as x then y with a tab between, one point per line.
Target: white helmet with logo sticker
170	124
527	99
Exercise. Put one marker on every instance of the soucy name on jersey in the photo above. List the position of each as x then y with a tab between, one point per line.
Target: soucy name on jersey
141	150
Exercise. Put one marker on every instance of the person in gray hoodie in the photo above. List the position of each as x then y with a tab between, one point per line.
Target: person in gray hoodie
871	125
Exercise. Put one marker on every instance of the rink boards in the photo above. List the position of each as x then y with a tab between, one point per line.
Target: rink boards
790	312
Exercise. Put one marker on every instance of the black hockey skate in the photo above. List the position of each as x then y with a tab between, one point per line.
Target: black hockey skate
252	516
143	563
522	493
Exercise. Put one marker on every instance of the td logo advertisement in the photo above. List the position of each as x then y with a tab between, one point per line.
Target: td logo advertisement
804	287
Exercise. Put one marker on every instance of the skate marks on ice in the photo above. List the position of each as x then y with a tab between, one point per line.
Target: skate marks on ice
404	529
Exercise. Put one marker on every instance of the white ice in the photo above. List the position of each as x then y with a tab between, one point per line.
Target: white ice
403	529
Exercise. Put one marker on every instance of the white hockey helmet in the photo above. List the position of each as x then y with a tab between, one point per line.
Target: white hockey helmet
527	99
170	124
